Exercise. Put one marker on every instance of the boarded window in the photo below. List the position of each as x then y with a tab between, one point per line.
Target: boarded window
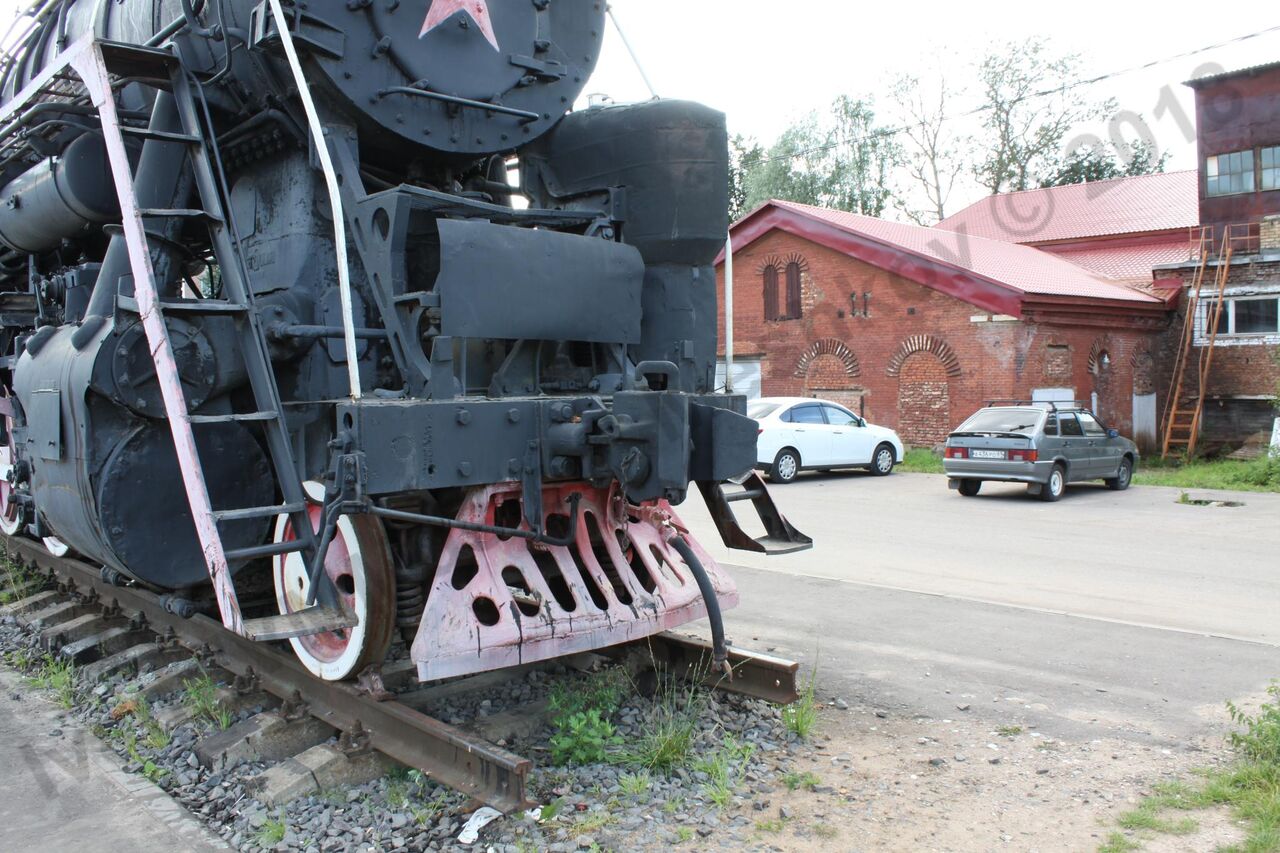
771	292
793	291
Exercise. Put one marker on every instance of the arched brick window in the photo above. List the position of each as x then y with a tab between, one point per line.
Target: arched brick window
794	309
771	292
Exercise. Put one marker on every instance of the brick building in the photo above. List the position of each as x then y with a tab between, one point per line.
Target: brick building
1238	141
916	327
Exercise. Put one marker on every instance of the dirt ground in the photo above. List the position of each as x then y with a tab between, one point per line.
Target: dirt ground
963	784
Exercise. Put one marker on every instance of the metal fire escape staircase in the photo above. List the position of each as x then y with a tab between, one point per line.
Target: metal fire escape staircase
1184	407
101	66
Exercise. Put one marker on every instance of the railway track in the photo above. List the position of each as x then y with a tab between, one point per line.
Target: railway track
107	628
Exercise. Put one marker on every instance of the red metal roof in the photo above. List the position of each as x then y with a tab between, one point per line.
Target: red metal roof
1131	264
988	273
1160	202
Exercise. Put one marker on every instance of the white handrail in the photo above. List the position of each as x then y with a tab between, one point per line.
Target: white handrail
335	197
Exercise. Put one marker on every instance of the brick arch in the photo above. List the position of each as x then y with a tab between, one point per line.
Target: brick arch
780	262
1100	346
828	346
925	343
924	399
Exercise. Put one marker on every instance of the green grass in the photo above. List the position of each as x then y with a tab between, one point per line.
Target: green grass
1250	788
920	460
795	781
58	676
14	580
1009	731
1251	475
683	834
271	832
635	784
771	825
1118	842
801	716
201	696
723	766
667	742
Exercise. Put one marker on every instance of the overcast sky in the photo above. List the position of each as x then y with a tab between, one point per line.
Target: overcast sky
767	62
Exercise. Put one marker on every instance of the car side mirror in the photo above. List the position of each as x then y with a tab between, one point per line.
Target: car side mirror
1113	433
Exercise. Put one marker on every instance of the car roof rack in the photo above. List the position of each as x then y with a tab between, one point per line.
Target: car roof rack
1053	405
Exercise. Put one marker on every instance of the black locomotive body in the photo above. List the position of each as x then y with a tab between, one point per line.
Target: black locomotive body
410	401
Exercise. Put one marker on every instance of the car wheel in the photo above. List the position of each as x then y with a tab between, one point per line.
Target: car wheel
786	465
1124	474
1055	485
882	460
969	488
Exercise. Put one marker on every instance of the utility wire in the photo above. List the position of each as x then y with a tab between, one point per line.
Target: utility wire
894	131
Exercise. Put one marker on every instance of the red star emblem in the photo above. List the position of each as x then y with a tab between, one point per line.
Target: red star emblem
477	10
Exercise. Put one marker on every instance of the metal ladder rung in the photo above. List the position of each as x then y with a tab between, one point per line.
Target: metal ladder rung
178	213
201	306
257	511
272	549
161	135
233	418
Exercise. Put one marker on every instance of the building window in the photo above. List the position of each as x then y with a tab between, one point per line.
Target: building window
794	309
771	292
1251	315
1228	174
1270	178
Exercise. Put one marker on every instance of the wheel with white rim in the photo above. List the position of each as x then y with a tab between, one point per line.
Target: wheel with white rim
786	465
358	562
10	511
882	461
1055	485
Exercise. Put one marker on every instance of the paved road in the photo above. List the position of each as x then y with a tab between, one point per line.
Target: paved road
62	789
1123	609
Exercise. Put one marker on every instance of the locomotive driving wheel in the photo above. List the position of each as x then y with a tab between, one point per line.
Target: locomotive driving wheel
10	511
358	562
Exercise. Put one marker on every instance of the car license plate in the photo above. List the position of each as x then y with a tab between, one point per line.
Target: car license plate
986	454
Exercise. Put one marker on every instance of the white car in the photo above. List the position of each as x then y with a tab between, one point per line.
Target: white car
801	433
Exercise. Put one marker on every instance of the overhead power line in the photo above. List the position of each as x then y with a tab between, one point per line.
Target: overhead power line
1089	81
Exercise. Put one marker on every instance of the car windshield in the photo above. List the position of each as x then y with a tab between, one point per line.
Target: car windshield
1002	420
761	409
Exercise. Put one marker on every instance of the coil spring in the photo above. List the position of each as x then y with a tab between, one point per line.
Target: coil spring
410	596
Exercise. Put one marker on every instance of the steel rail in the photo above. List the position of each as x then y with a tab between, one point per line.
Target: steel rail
470	765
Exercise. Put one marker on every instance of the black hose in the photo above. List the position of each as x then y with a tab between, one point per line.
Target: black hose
719	650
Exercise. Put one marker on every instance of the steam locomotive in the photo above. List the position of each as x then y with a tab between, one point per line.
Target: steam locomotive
284	341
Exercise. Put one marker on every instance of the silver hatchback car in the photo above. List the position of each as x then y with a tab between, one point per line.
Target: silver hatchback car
1045	445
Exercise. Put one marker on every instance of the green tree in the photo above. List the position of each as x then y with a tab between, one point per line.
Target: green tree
1098	161
841	160
744	154
1028	106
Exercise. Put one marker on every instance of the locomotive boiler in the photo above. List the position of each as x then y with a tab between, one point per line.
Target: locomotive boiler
284	339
